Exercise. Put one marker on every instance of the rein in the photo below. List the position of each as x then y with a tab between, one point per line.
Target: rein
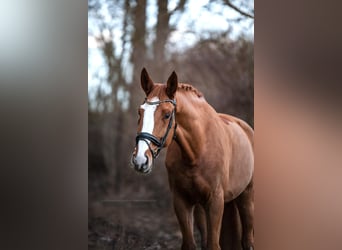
146	137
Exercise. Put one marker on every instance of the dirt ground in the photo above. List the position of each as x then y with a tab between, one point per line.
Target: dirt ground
118	223
132	225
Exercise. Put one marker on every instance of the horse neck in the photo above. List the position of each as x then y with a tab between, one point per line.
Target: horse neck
193	118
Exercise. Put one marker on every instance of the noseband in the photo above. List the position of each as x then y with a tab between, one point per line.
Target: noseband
146	137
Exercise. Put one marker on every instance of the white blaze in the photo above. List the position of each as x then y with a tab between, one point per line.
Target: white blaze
148	125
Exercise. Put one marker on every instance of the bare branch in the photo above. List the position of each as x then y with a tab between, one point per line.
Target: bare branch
228	3
180	6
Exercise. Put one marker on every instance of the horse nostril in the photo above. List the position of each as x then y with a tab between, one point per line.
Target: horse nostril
146	158
137	167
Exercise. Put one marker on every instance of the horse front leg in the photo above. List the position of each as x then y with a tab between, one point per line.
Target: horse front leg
201	223
214	211
184	213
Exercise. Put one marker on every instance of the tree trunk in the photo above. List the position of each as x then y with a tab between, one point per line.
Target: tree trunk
138	58
162	34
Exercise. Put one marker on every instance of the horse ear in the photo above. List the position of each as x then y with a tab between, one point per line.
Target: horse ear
146	82
172	84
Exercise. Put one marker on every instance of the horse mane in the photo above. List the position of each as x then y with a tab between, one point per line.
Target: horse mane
188	87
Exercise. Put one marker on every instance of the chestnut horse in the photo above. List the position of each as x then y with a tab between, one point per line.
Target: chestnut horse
209	161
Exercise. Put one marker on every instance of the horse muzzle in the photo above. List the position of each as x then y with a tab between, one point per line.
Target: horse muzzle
141	164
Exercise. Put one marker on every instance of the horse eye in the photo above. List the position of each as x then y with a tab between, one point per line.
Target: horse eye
167	115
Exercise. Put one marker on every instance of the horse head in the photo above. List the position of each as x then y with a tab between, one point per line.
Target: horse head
156	124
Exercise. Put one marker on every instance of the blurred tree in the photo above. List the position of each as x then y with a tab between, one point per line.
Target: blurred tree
138	56
163	30
113	126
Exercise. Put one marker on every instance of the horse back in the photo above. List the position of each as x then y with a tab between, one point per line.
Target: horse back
244	125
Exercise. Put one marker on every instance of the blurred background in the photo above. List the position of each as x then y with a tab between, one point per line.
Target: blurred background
210	44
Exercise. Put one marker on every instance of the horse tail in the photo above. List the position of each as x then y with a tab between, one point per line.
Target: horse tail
231	232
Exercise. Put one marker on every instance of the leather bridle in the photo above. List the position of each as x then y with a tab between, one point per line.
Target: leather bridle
146	137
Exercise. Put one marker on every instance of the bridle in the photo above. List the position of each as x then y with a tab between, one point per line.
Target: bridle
146	137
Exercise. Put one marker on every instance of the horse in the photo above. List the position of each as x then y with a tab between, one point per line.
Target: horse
209	161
